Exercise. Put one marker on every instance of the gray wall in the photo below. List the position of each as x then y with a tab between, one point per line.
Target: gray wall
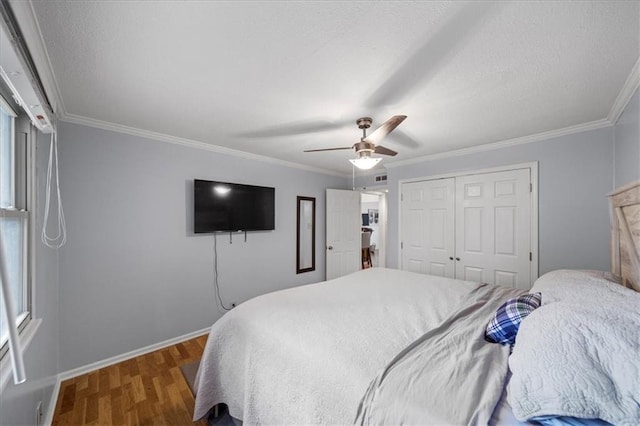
18	403
575	174
627	143
133	273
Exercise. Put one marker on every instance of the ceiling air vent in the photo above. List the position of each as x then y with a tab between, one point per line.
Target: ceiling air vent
381	178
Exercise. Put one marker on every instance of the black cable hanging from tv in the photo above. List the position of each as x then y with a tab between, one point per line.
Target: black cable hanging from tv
215	271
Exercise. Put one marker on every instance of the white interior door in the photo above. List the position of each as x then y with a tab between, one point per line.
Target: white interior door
343	248
493	228
427	235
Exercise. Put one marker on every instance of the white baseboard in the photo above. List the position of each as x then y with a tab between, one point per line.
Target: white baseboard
51	408
110	361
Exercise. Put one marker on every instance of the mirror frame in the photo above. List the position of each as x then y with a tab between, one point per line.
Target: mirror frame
299	202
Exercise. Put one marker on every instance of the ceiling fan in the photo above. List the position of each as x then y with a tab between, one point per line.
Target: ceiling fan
438	48
369	144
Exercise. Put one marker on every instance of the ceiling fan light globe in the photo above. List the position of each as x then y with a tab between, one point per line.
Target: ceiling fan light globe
365	163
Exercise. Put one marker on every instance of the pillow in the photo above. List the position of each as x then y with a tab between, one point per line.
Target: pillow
504	325
577	285
578	357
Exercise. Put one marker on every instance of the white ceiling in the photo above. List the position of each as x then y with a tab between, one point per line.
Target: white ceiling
239	74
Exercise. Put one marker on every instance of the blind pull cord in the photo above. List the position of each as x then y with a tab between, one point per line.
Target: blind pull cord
60	239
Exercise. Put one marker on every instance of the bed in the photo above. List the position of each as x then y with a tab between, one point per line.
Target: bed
383	346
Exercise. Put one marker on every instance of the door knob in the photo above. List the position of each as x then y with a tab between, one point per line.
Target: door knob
450	257
330	248
457	258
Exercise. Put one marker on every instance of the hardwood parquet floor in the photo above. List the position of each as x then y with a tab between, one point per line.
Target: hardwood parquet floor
146	390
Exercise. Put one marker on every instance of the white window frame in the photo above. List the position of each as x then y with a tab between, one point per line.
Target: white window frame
26	194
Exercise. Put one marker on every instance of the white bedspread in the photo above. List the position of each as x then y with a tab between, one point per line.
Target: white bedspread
306	355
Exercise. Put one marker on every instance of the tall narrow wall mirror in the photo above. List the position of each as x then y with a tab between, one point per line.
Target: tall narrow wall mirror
306	235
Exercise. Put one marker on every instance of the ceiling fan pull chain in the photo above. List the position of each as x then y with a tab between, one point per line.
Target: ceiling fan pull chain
353	177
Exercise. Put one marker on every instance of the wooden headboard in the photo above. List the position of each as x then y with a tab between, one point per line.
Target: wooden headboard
625	234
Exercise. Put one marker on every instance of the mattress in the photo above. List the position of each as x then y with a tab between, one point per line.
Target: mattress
383	346
308	354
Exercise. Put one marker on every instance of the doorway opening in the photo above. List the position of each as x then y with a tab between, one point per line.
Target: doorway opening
373	212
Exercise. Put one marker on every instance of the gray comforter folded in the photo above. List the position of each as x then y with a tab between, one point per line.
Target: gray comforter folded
450	375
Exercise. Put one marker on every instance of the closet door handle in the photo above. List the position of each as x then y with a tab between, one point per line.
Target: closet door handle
450	257
330	247
457	258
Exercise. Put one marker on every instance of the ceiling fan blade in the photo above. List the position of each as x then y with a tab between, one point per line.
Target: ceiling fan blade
294	128
385	129
328	149
428	59
384	151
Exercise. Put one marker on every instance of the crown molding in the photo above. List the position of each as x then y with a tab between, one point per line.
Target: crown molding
593	125
629	88
161	137
33	35
631	85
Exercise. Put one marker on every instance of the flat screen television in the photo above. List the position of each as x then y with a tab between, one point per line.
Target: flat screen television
224	206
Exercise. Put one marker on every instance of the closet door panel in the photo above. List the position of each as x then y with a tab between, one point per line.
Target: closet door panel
439	269
415	244
505	278
472	273
427	228
493	228
505	227
473	226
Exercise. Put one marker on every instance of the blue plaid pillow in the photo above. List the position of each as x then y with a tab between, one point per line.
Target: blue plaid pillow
504	325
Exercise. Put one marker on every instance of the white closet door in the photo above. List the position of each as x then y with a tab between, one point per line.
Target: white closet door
344	246
428	227
493	228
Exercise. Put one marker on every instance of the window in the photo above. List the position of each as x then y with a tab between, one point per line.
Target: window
14	218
